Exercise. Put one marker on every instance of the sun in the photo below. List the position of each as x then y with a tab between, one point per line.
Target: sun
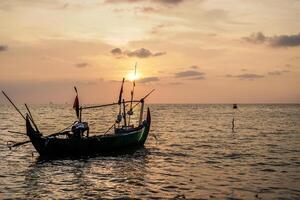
132	76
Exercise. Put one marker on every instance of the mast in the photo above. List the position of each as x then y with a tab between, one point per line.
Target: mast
141	111
119	117
130	112
124	113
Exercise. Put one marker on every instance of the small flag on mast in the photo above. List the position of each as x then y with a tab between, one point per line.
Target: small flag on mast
76	103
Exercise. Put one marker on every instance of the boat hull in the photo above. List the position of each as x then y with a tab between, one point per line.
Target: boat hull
57	147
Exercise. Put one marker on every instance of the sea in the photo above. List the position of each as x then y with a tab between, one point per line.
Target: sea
192	152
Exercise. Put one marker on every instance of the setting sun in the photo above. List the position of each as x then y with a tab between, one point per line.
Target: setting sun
133	76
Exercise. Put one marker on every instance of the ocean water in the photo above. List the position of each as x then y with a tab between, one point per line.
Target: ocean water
191	152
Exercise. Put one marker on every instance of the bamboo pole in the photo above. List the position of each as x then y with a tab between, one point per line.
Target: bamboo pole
13	105
17	132
142	99
105	105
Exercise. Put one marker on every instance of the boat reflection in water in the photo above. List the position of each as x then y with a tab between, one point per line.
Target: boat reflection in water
107	176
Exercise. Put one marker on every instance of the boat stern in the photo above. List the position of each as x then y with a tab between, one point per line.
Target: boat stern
147	125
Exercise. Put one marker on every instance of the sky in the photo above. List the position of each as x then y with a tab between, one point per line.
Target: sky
189	51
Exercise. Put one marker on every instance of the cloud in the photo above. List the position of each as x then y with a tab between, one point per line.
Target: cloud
257	38
286	40
278	72
82	65
147	9
194	67
144	53
251	76
13	4
3	48
197	78
274	41
140	53
295	58
122	1
169	1
246	76
288	66
159	54
165	2
189	73
116	51
159	28
149	79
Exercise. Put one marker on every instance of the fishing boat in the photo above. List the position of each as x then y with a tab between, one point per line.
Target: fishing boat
75	140
89	145
234	106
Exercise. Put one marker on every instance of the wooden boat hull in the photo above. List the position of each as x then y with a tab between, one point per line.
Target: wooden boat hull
53	146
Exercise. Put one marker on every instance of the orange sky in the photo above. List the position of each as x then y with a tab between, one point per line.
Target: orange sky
190	51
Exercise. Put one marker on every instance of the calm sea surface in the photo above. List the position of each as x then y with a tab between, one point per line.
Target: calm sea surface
195	155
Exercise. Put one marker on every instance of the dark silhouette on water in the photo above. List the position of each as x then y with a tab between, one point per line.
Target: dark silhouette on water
233	125
234	107
74	142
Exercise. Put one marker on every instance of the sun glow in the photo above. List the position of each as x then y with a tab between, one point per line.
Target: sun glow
132	76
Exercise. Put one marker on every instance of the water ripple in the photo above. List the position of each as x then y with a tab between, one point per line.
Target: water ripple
196	156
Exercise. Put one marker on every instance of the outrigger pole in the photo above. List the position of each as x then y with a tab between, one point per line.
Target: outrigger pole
11	144
142	99
30	116
13	105
17	132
